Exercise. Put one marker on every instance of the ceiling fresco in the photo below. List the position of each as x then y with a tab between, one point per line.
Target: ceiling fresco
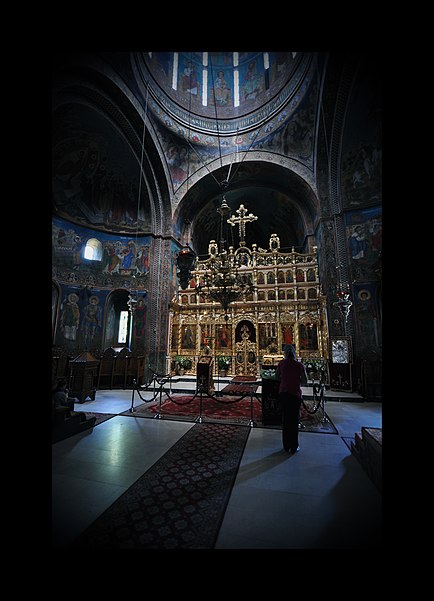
95	173
224	93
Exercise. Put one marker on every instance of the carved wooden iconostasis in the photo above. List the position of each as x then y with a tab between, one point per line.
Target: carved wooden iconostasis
286	306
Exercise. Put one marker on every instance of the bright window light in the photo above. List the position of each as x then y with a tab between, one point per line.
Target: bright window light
175	71
205	88
123	327
93	250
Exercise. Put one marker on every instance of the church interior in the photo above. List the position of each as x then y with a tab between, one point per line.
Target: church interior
209	208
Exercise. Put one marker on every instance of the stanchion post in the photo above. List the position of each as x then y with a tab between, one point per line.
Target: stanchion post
324	418
201	386
217	393
158	415
132	396
251	422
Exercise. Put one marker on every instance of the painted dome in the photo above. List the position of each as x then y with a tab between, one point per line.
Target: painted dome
219	94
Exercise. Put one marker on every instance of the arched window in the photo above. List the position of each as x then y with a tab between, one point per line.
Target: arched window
93	250
118	321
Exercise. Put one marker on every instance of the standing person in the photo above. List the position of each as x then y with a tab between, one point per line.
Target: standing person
292	375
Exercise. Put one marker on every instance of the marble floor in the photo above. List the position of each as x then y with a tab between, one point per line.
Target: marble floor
319	498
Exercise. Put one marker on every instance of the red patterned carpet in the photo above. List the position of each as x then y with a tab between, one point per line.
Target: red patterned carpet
227	409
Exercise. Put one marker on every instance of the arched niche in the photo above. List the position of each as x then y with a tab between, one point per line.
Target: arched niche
116	305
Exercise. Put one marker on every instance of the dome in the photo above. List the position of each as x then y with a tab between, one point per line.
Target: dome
218	94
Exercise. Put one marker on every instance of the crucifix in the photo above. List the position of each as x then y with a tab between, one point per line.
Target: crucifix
242	219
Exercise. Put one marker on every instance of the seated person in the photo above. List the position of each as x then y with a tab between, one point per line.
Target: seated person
60	396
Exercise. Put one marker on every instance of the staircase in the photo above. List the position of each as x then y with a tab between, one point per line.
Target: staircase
367	447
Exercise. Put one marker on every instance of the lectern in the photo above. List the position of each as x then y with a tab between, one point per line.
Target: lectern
271	410
204	374
83	372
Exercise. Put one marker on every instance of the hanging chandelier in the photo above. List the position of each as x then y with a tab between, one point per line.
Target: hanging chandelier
221	278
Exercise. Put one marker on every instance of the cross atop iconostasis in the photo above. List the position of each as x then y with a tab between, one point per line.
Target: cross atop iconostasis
242	219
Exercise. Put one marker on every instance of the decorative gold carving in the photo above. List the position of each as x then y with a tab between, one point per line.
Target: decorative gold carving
272	271
245	354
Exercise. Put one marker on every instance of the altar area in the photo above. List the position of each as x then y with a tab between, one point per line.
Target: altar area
283	305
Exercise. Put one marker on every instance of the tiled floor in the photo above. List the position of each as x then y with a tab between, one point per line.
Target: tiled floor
320	498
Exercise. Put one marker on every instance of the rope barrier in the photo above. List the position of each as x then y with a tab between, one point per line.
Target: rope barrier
318	389
202	390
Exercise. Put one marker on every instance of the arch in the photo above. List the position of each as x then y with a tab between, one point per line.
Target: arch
117	301
98	87
250	329
281	197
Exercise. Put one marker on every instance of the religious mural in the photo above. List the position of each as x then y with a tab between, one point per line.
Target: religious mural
221	93
82	322
122	262
362	143
80	317
120	255
189	76
291	132
367	314
95	174
204	81
364	240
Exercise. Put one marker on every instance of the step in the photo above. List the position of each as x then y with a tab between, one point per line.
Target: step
71	425
367	448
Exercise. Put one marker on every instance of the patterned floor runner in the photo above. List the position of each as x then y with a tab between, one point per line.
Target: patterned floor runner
179	503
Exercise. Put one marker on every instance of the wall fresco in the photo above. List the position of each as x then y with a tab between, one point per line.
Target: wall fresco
122	256
364	240
95	174
361	166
